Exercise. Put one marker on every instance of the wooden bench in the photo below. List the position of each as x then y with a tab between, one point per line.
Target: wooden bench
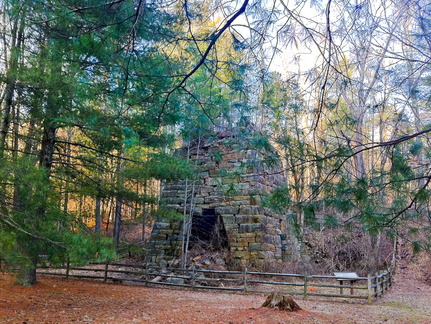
351	277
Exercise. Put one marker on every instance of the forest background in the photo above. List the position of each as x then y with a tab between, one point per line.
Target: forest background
96	95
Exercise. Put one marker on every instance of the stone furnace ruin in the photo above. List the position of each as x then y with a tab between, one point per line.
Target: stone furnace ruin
224	201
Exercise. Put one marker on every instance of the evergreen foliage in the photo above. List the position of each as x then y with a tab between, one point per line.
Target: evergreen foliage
96	95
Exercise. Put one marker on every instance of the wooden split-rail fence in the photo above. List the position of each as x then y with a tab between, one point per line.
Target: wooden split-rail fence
242	281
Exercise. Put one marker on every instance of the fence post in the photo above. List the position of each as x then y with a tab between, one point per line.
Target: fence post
385	283
369	290
105	275
376	284
193	276
390	277
305	286
380	283
245	278
67	268
143	271
146	273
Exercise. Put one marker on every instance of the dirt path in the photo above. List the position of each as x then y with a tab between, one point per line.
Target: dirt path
55	300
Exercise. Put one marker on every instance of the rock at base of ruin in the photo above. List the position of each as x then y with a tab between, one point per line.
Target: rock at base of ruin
282	302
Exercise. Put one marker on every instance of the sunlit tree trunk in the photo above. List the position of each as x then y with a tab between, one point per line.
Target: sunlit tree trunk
97	209
97	214
144	213
119	199
11	75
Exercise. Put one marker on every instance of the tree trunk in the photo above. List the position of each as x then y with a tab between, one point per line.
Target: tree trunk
119	201
97	214
27	274
187	227
47	150
29	142
144	212
358	146
282	302
117	222
11	78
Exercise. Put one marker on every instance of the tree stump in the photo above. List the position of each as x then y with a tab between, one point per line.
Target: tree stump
284	303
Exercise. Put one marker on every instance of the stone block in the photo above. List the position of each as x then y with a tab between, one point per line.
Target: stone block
229	180
252	177
255	247
273	231
225	188
240	202
197	211
247	228
216	204
251	154
231	227
161	225
165	232
206	189
224	165
259	186
267	238
255	197
214	173
247	235
226	210
213	199
198	200
251	210
238	198
175	187
159	237
176	226
233	156
268	255
173	206
228	219
231	236
165	247
172	200
243	185
174	239
241	254
255	219
211	165
205	206
203	174
246	242
241	219
171	193
246	210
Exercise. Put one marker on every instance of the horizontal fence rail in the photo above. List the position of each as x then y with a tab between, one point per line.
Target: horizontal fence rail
242	281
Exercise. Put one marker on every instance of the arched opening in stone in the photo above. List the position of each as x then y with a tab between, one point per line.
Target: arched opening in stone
208	231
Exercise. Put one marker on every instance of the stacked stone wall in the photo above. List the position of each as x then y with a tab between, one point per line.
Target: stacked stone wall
233	183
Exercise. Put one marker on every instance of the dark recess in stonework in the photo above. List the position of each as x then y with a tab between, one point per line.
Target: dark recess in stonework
208	231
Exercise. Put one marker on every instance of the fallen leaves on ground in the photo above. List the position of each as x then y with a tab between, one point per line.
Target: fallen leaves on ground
57	300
